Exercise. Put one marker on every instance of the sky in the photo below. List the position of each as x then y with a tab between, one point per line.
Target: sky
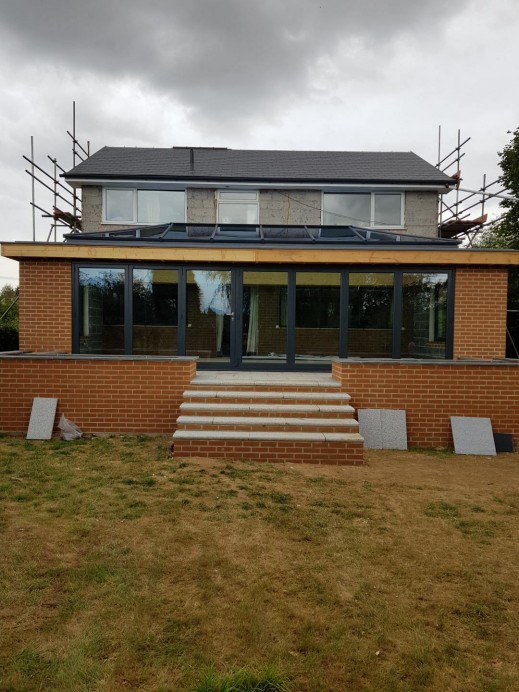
375	75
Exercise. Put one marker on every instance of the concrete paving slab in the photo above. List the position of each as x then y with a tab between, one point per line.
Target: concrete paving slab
42	418
473	435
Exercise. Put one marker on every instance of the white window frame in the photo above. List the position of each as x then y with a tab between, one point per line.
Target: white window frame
134	221
237	201
372	207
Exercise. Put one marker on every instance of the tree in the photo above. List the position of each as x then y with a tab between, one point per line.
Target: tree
8	318
505	232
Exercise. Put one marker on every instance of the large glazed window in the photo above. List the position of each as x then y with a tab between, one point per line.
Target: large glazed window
365	209
101	310
155	311
318	296
370	315
264	331
209	314
128	206
424	315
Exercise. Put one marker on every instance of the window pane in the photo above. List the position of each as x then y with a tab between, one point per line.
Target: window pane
209	313
264	332
239	196
155	311
317	315
347	209
424	315
237	213
101	311
388	210
160	206
370	318
119	205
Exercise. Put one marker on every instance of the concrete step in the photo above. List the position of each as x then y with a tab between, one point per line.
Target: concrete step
216	408
267	423
251	380
267	435
267	396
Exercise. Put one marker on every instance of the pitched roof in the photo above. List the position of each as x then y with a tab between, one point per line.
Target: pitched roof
184	163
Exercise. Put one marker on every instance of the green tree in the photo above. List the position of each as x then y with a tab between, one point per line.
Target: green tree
505	232
8	318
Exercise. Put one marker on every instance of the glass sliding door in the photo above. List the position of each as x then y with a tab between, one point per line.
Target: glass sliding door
155	312
210	315
317	318
101	310
370	314
424	315
264	317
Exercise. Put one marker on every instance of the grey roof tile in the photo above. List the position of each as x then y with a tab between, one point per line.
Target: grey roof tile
254	165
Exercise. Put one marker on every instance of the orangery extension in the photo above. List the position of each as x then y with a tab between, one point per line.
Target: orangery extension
251	301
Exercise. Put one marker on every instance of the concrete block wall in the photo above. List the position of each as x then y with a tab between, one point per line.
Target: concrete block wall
421	213
292	207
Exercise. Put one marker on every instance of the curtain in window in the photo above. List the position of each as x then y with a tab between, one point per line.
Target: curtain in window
252	334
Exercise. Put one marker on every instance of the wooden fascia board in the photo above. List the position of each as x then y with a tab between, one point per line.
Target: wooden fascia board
52	251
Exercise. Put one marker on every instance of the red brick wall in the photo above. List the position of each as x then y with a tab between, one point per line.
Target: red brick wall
430	394
45	306
99	395
480	312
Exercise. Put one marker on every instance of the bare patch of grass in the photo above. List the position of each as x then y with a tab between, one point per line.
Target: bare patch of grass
124	569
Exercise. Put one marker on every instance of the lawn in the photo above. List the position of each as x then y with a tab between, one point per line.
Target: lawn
122	568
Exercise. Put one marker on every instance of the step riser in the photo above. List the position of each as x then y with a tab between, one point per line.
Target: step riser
329	453
274	401
261	388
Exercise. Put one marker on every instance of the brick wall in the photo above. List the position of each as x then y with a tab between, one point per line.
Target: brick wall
480	312
431	393
45	306
98	394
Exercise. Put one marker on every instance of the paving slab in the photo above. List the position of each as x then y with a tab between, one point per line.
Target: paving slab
473	435
42	418
383	428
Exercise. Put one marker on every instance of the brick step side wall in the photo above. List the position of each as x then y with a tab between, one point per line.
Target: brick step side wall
334	453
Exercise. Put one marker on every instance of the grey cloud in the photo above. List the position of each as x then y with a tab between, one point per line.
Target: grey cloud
224	60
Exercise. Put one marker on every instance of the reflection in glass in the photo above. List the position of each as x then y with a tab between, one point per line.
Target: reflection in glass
264	332
160	206
370	315
119	205
155	311
101	310
209	314
317	316
343	209
424	315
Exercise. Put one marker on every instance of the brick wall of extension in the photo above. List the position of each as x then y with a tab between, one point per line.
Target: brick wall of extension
98	394
432	392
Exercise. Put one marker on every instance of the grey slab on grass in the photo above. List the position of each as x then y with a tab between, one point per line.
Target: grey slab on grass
473	435
42	418
383	428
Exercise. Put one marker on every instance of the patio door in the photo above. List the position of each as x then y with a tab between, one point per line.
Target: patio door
211	309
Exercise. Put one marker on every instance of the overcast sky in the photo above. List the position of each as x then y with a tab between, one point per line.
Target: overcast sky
274	74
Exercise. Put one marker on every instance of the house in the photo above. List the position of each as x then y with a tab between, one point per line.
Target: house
218	259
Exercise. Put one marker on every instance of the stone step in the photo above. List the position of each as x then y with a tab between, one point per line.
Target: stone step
317	381
208	394
270	435
263	423
259	410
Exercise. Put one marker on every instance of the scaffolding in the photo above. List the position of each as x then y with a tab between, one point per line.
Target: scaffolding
459	219
66	203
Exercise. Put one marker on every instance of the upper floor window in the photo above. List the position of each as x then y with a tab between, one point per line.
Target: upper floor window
372	209
128	205
238	207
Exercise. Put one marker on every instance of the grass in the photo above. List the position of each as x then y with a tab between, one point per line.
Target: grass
124	569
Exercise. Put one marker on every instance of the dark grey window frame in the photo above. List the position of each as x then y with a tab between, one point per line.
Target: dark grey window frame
236	360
